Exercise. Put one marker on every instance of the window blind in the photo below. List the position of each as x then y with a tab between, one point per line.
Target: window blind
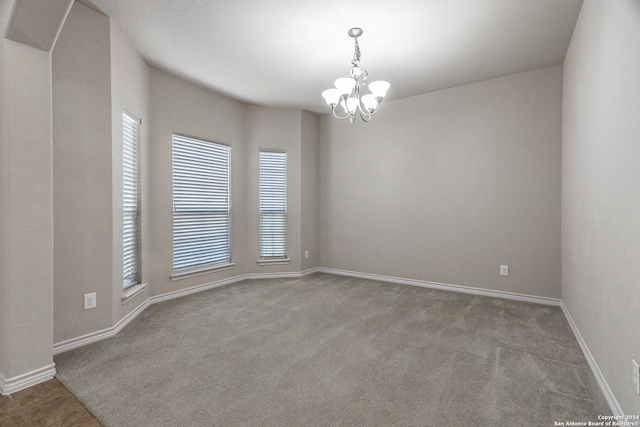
201	203
273	204
130	201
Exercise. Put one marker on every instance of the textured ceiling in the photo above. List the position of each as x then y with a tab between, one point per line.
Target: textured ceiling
285	52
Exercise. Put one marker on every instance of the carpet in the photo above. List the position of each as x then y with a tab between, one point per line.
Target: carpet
328	350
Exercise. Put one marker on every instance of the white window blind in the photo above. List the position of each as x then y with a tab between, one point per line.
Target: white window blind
273	204
201	203
130	201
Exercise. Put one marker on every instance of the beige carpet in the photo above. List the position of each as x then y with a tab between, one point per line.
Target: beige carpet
334	351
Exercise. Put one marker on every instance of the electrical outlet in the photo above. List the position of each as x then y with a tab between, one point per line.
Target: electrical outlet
636	376
504	270
89	300
306	254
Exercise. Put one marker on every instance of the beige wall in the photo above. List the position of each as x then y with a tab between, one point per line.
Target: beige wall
88	102
35	23
26	207
310	190
600	191
446	186
272	128
82	173
5	14
26	334
4	223
96	73
130	90
180	106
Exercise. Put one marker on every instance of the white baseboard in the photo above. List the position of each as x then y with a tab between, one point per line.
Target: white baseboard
252	276
309	271
33	377
194	289
92	337
20	382
103	334
615	407
445	287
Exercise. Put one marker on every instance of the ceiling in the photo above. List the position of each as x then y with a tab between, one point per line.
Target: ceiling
286	52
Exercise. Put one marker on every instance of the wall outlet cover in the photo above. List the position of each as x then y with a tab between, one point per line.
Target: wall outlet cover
504	270
89	300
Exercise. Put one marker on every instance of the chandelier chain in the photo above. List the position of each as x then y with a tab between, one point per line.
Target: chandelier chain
356	54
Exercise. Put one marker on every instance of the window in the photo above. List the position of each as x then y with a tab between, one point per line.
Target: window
130	201
273	204
201	203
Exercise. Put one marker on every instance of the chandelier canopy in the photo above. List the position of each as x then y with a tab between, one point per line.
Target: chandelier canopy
347	89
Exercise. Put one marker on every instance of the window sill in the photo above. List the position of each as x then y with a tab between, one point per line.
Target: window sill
132	291
198	272
273	261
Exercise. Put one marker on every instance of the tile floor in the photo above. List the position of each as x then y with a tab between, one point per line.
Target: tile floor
46	404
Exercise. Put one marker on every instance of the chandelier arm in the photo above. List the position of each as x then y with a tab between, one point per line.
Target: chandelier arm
364	112
348	116
366	118
375	110
341	118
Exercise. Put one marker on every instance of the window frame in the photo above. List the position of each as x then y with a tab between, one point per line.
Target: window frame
198	160
268	201
131	201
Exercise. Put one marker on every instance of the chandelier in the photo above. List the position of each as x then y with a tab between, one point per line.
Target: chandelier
347	89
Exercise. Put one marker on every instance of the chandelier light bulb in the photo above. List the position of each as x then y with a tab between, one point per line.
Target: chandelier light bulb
345	85
370	103
352	105
331	96
379	88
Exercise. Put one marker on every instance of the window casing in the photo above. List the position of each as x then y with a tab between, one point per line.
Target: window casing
273	204
130	200
201	203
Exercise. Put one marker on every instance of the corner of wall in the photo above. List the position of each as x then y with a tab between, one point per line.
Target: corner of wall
82	185
4	182
310	190
600	196
129	91
26	227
